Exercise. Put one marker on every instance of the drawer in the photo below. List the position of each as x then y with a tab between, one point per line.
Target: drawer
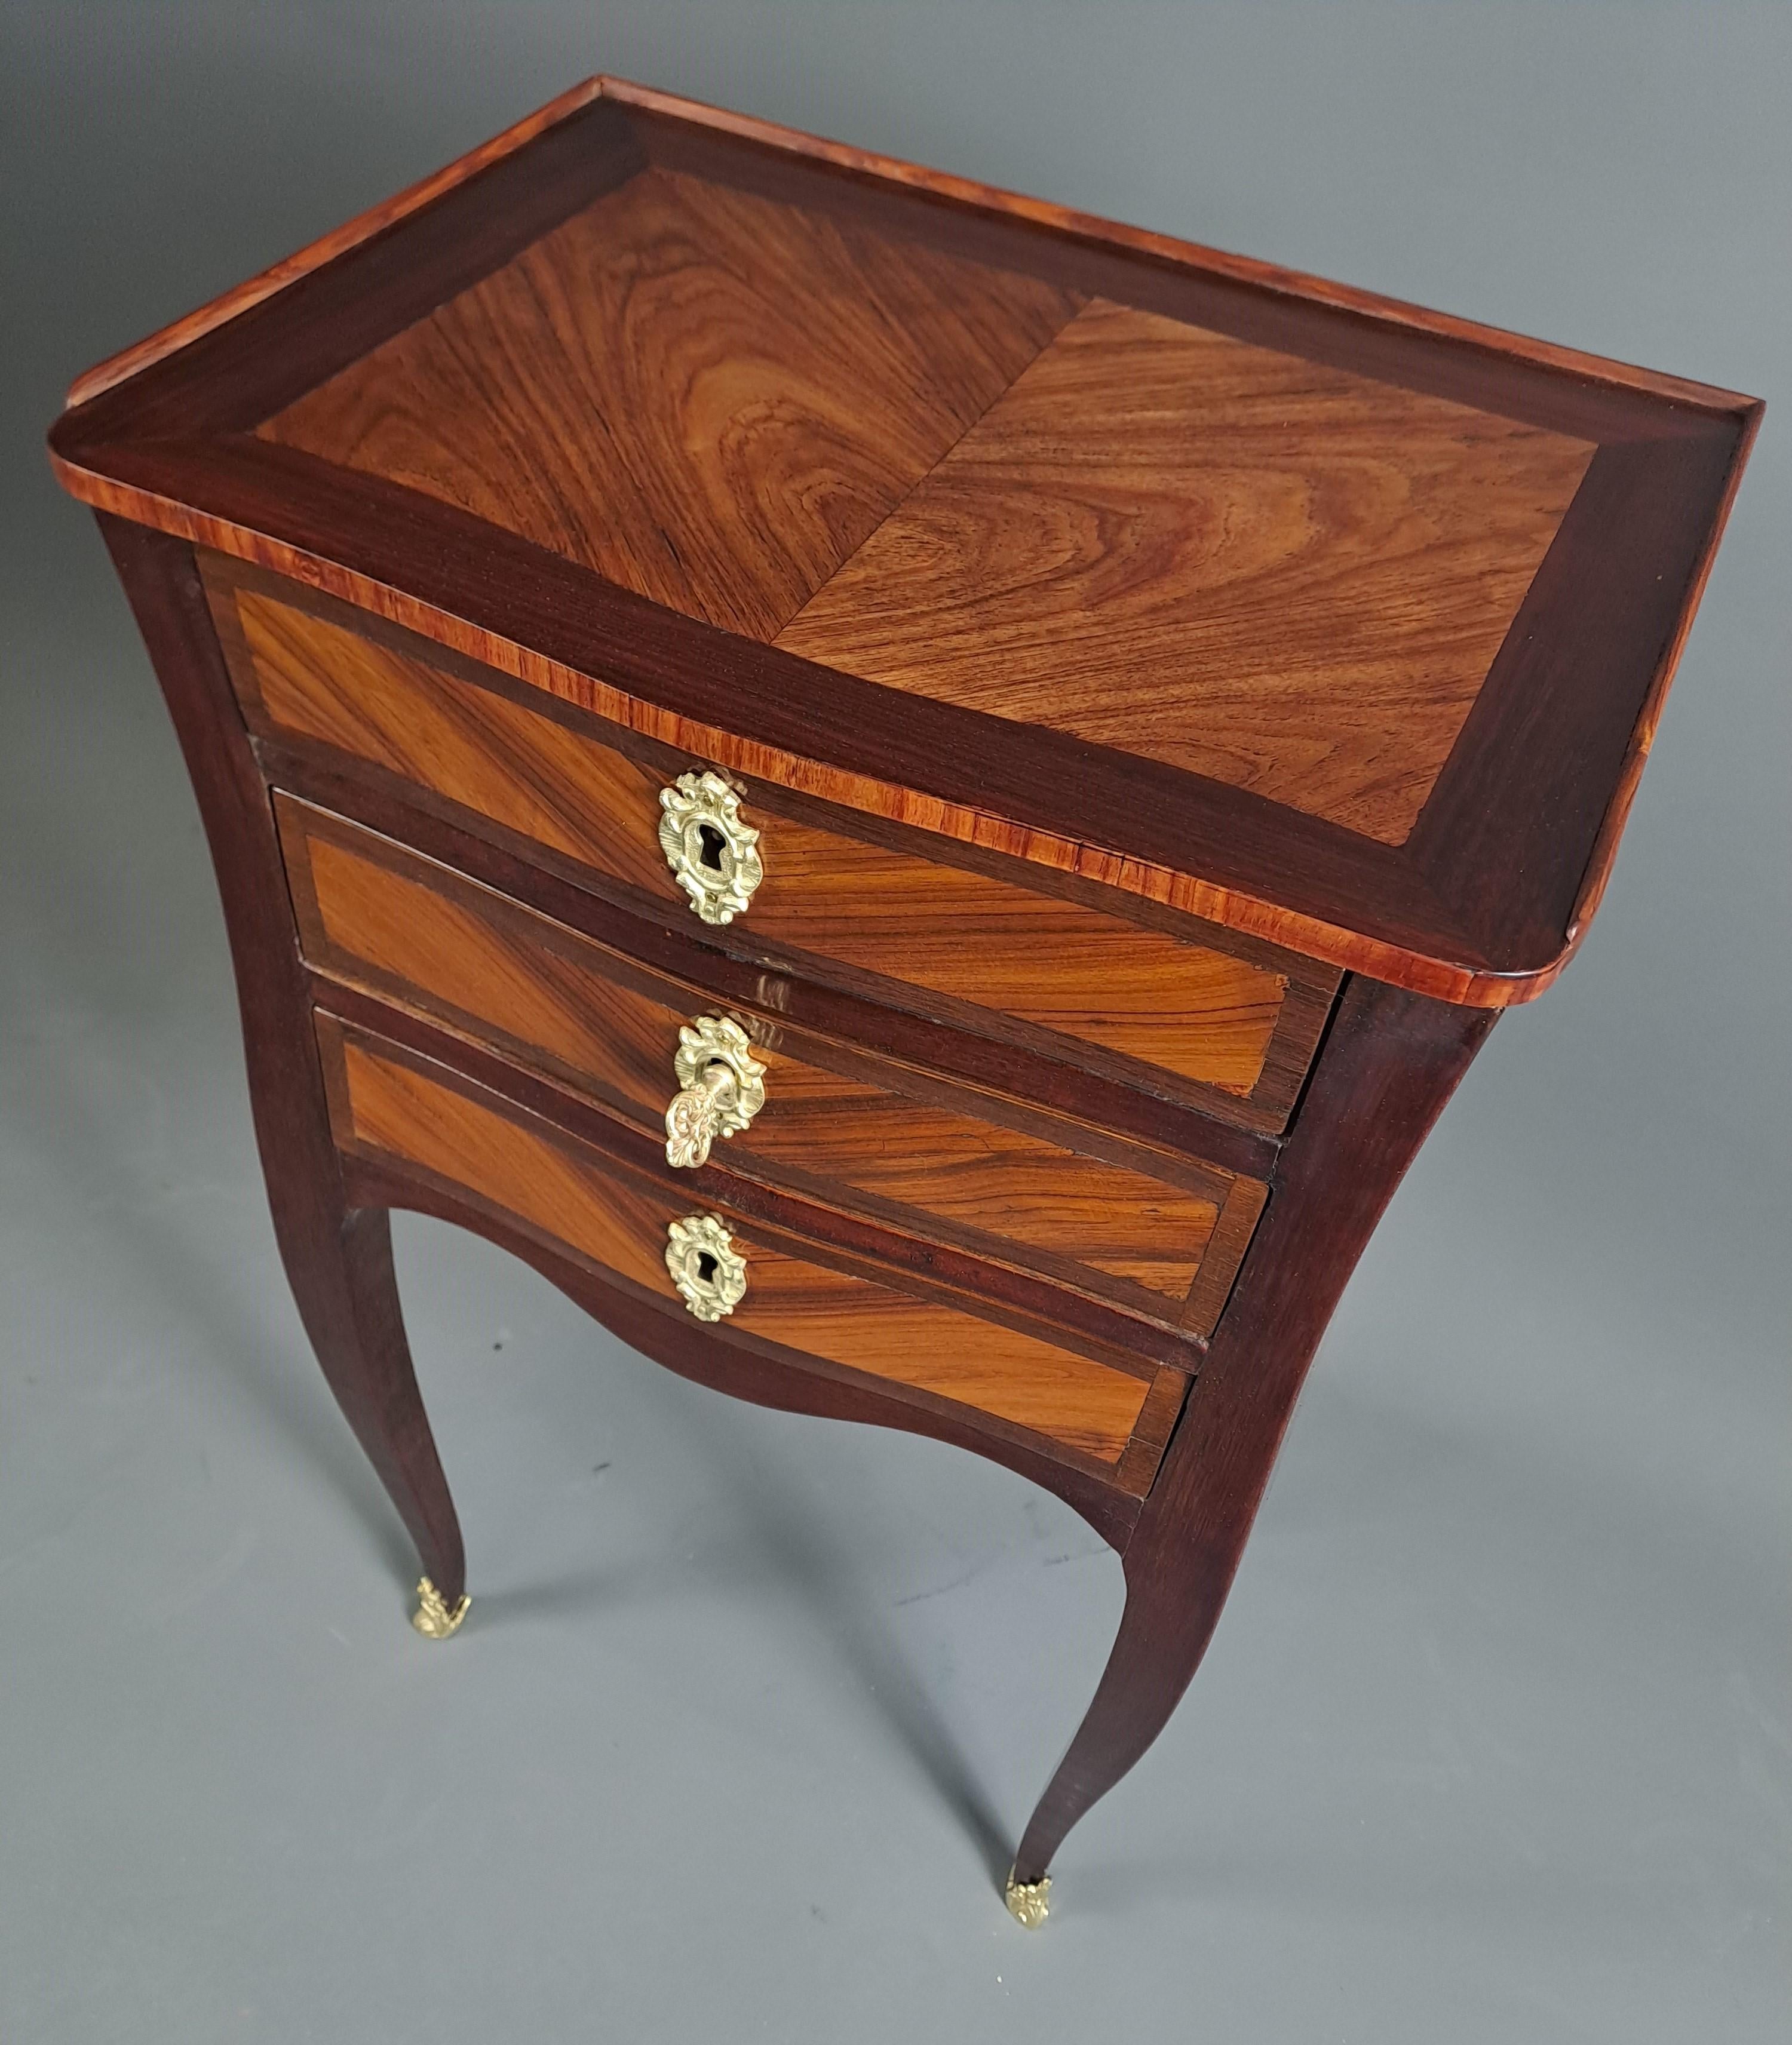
386	1104
1169	1007
835	1124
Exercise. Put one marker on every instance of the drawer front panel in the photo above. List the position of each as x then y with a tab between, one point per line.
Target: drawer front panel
1232	1033
380	918
386	1104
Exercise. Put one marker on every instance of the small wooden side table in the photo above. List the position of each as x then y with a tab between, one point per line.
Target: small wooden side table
918	798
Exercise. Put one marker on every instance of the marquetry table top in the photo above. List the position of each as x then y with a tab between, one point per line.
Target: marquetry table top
1337	622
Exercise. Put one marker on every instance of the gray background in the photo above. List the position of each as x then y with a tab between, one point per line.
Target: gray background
1493	1743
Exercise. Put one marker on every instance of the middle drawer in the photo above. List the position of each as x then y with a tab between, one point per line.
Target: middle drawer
836	1123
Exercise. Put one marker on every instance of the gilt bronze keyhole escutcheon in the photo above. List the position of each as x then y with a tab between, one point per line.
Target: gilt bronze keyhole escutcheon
709	1272
714	855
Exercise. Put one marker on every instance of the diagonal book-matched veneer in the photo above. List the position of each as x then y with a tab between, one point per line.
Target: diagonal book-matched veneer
920	798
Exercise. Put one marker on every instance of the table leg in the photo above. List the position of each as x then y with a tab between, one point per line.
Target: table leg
347	1299
338	1258
1390	1061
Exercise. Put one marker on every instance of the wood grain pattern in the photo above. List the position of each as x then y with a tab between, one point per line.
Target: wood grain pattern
691	133
171	447
483	751
704	397
1200	847
1190	1011
1064	1105
1073	1319
1280	576
1234	862
375	917
394	1110
744	1366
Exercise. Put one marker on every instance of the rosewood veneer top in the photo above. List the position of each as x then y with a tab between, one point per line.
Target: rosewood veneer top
1335	621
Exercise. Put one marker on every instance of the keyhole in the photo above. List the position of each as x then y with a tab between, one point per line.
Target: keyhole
705	1266
710	843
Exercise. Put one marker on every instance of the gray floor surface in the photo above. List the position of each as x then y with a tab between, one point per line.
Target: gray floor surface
1494	1743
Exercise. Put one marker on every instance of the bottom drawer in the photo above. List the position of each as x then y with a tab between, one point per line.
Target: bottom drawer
390	1104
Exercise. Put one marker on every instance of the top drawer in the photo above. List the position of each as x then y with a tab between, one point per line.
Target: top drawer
1169	1007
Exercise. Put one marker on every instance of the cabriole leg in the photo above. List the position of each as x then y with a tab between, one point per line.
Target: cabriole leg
347	1298
338	1258
1169	1619
1389	1063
